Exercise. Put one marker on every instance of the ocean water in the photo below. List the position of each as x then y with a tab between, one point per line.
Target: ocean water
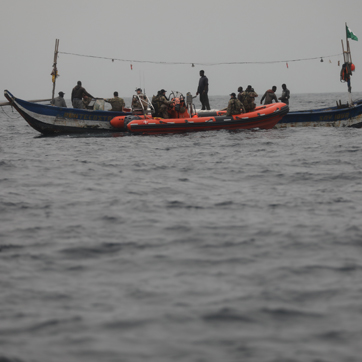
204	247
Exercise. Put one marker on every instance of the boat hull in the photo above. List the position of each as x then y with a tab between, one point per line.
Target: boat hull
265	118
325	117
50	120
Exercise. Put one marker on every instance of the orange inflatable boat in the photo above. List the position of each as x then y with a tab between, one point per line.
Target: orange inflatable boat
180	121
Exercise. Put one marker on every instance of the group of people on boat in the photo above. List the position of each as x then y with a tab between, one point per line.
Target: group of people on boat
81	99
244	102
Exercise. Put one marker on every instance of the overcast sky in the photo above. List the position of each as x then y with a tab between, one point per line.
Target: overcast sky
188	31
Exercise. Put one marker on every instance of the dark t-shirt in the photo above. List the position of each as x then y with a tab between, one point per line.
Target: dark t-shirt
78	92
203	84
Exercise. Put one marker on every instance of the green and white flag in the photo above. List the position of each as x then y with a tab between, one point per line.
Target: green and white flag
351	34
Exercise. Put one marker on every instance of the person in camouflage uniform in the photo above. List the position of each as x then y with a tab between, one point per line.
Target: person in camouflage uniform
241	95
234	106
249	99
116	102
162	103
155	104
86	102
139	102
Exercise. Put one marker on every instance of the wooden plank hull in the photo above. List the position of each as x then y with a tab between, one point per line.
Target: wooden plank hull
52	120
324	117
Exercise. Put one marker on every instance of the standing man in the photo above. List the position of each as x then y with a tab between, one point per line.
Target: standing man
269	96
241	95
285	95
116	102
203	89
59	101
249	99
78	93
234	106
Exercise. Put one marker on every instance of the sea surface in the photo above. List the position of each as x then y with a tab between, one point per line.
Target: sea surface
205	247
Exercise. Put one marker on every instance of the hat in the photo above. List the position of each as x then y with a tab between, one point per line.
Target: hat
138	89
233	94
162	91
61	94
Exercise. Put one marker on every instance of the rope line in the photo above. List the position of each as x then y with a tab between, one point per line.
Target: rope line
193	63
19	116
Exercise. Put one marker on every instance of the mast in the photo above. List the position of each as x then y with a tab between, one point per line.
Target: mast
347	58
55	70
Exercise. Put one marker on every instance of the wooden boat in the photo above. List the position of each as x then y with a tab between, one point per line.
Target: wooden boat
50	120
264	117
338	116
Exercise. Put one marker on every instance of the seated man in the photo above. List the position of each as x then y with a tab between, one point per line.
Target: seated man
139	102
116	102
234	106
86	101
59	101
249	99
163	104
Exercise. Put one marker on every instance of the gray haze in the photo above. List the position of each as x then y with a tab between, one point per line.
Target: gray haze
200	31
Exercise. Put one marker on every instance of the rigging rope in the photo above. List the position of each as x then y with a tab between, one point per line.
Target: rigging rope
193	63
12	109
